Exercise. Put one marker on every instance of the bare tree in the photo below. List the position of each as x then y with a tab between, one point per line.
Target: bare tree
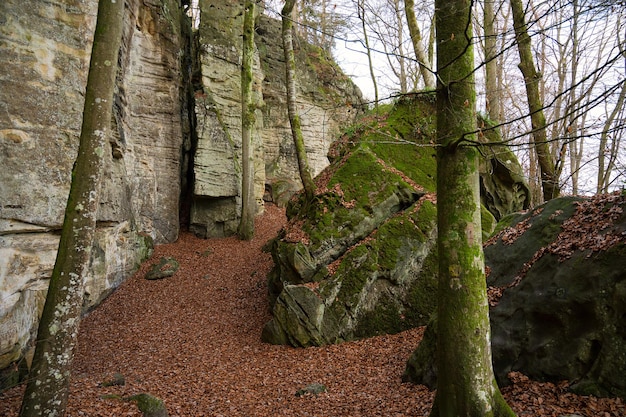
492	89
368	49
549	179
465	381
418	47
610	139
294	117
48	384
248	119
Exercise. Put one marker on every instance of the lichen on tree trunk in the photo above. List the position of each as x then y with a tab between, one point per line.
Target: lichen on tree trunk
48	384
294	117
466	383
248	206
549	177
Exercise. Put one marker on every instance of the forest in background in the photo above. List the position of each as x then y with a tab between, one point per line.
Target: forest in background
578	52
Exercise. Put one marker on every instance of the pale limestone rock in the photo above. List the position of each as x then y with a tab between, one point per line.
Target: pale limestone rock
26	262
43	77
327	102
321	105
117	252
216	207
44	58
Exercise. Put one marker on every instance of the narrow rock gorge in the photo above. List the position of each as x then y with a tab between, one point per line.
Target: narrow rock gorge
172	161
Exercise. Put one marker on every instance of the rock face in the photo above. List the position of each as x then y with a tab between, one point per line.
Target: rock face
217	167
176	132
562	314
216	203
327	101
44	71
558	294
361	260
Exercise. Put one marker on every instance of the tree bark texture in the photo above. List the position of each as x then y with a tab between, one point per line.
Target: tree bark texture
549	178
418	47
466	384
48	384
294	117
248	119
492	90
368	49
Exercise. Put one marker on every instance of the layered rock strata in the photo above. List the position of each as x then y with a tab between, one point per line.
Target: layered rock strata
45	60
327	102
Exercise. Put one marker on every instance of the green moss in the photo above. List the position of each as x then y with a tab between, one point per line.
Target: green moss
354	273
389	240
362	179
427	216
488	222
386	318
404	140
149	405
421	296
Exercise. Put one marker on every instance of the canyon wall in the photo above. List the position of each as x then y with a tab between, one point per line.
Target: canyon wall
173	154
45	52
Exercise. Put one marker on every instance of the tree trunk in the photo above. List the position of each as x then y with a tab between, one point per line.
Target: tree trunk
466	384
402	73
605	169
549	179
416	39
48	383
492	90
294	117
248	203
361	14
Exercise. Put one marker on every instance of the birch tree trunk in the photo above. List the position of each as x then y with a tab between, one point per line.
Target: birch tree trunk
466	384
294	117
48	383
549	179
248	204
416	39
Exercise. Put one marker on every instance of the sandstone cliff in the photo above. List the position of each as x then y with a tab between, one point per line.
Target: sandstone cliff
45	59
327	101
173	153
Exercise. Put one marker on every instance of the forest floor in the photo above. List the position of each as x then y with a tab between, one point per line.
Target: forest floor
193	340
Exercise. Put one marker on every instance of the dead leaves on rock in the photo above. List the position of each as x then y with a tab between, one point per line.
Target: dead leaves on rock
590	229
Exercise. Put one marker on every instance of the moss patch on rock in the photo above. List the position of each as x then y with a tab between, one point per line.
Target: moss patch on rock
365	248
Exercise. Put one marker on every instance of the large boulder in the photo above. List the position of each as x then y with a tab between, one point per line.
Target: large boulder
361	259
557	289
559	276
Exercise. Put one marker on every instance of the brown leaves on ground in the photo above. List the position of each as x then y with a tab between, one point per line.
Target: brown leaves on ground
193	340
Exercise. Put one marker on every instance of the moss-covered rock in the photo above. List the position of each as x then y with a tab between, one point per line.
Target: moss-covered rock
149	405
166	267
558	297
361	259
